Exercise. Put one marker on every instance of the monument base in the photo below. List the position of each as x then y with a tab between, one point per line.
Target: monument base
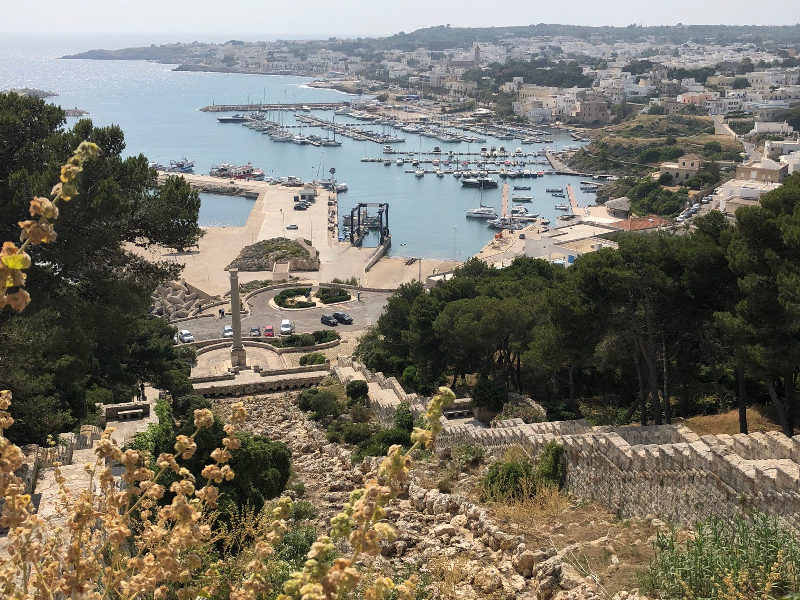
238	357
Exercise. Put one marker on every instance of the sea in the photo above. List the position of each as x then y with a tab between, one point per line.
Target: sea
158	110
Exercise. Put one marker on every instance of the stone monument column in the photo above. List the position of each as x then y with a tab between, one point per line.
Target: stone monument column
238	355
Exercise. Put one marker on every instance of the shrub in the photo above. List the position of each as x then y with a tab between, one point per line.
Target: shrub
468	455
332	295
409	378
379	443
322	404
299	489
520	410
282	298
296	543
551	465
356	433
299	340
750	556
403	419
98	395
359	413
507	480
665	179
334	431
357	389
348	281
315	358
303	510
444	486
489	394
324	336
185	406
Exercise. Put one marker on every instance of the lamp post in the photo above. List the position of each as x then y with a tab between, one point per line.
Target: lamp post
283	225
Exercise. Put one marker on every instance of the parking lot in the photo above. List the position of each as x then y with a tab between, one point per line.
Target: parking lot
364	313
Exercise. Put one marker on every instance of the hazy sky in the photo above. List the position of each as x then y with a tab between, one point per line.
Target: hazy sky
314	18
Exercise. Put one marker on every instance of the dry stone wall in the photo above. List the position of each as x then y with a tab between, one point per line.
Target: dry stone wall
666	470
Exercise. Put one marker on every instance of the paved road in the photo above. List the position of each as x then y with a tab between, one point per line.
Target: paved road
364	313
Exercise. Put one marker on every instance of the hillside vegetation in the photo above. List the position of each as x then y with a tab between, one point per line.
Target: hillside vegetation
263	255
638	145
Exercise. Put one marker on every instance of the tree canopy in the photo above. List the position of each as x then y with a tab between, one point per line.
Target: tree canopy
648	331
85	338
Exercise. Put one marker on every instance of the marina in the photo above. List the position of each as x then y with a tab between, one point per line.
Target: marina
166	123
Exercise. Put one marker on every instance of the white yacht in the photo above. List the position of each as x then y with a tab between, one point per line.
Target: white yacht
484	212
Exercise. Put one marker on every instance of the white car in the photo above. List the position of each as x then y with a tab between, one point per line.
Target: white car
185	336
287	327
227	331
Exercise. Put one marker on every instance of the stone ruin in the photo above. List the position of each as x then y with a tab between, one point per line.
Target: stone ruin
664	470
177	300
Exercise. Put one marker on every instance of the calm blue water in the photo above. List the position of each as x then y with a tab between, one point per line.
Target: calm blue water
219	210
157	109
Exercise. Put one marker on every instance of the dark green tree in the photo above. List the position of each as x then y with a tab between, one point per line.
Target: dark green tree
85	328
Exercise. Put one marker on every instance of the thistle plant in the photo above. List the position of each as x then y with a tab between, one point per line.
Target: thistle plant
39	229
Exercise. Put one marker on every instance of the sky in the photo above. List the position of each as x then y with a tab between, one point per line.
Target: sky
187	20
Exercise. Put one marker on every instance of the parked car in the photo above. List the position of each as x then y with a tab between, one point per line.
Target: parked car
343	318
300	207
287	327
185	336
328	320
227	331
291	226
255	331
269	331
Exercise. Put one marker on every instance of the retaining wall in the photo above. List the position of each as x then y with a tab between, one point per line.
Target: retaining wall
664	470
260	387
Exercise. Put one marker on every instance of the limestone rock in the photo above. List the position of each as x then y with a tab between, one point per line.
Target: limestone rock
442	530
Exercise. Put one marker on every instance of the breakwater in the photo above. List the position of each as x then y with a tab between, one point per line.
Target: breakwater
269	107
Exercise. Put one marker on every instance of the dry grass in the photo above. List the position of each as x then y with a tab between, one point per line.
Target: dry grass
594	534
758	420
448	573
546	504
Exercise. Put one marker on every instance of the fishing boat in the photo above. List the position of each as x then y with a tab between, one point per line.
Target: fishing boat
554	190
387	162
237	118
505	223
522	198
545	221
180	166
228	171
399	162
419	173
522	187
562	207
156	166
